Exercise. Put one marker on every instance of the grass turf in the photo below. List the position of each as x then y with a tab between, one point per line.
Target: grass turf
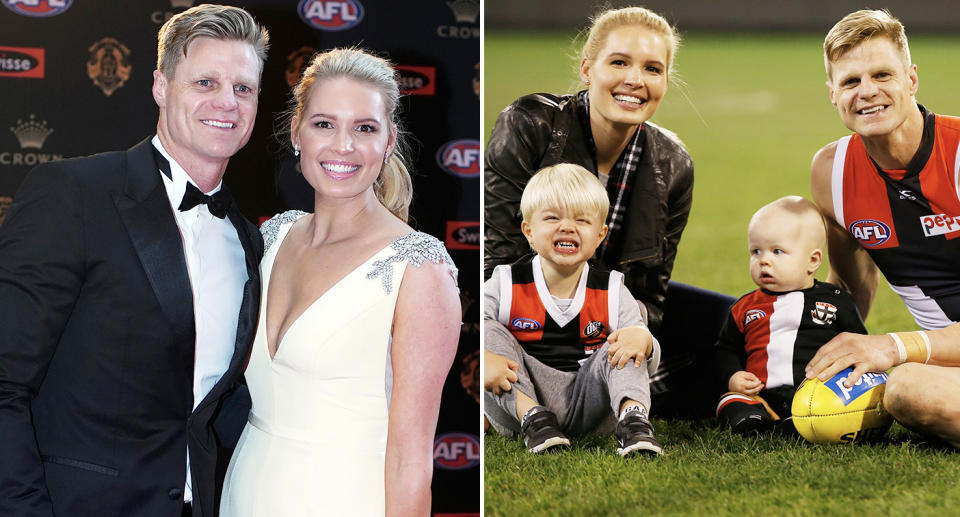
752	110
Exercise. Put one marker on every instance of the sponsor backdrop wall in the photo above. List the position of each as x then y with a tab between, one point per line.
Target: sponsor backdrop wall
75	79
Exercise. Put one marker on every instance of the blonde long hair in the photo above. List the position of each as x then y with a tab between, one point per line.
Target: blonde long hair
393	187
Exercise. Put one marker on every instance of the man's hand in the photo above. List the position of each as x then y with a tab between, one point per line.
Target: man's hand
864	353
631	343
745	382
498	373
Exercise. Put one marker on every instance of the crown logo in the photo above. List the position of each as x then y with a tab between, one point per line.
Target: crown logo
465	11
181	4
31	134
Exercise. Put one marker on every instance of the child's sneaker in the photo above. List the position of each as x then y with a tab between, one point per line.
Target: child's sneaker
635	435
541	432
746	415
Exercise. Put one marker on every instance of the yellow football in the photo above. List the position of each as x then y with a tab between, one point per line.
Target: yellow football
829	412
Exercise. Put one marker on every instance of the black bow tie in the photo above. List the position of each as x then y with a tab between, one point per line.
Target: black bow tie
218	203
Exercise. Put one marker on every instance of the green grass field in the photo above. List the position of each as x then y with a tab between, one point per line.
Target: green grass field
752	110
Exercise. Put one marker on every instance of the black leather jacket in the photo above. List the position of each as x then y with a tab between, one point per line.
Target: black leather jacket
541	129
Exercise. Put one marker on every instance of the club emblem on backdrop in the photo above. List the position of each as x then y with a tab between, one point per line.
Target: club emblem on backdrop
824	313
109	65
297	62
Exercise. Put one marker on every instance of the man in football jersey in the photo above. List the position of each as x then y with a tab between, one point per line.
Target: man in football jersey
772	332
889	195
565	346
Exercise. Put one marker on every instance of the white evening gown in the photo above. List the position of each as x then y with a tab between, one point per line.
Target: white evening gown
315	440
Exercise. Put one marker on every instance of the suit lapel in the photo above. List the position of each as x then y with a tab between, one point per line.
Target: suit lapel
145	211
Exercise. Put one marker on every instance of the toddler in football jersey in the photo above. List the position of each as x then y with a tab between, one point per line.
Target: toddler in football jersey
773	332
566	350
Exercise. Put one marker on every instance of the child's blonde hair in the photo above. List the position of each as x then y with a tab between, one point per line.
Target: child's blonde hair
566	186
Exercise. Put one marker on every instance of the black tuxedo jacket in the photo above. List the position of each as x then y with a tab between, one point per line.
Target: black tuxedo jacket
97	347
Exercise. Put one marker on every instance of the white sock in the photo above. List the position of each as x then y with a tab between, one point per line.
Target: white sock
530	412
633	407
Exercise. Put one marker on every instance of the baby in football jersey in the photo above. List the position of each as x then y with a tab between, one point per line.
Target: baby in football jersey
773	332
566	350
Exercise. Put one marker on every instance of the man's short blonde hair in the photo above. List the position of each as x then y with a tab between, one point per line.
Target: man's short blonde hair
220	22
859	26
566	186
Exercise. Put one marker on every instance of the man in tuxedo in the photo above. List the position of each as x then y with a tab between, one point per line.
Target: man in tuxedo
129	293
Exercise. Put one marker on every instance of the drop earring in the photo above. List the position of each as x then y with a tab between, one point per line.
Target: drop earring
296	150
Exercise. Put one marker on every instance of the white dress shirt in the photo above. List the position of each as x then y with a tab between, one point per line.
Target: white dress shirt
216	265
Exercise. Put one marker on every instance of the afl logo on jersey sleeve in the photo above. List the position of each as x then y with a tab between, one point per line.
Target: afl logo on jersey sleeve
753	315
870	232
525	324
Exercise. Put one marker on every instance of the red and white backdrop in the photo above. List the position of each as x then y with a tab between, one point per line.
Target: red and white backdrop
75	78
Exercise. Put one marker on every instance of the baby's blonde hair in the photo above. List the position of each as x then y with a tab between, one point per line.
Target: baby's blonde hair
566	186
803	212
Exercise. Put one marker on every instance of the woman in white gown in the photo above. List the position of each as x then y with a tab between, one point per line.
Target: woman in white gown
359	318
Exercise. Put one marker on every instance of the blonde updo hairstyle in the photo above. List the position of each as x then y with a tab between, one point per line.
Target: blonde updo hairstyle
393	187
602	24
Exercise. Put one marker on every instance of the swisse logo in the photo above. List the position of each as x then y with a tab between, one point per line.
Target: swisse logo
870	232
417	80
525	324
456	451
753	315
463	235
864	384
38	8
939	224
460	158
329	15
21	62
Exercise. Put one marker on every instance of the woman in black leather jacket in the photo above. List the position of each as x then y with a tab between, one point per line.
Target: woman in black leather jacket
625	64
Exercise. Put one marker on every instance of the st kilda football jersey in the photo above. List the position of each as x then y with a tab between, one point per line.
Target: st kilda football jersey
774	335
561	339
908	220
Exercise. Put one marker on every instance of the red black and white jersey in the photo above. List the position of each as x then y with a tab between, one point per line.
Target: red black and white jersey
908	220
774	335
561	339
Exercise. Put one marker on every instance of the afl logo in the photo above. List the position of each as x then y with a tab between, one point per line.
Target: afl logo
525	324
460	158
456	451
753	315
38	8
331	15
870	232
